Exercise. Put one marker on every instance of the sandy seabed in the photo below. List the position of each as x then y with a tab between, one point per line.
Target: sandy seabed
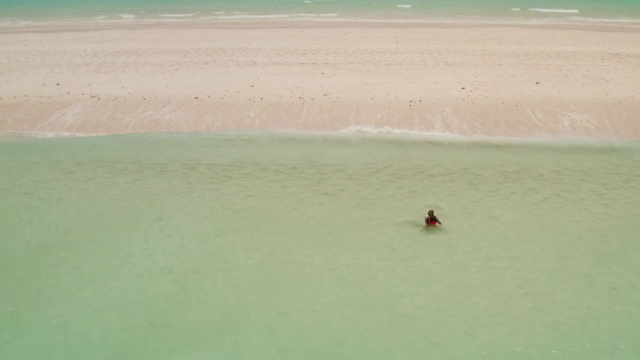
487	80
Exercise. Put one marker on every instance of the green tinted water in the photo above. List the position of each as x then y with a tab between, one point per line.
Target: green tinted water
149	9
277	247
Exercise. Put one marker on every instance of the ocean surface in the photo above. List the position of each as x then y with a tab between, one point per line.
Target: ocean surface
284	246
20	12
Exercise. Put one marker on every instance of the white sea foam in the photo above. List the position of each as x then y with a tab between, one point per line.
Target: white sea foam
247	16
452	137
127	16
316	15
276	16
41	134
11	23
438	135
406	6
558	11
605	20
515	9
358	129
177	15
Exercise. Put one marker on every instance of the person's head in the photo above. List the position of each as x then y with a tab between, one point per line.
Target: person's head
430	212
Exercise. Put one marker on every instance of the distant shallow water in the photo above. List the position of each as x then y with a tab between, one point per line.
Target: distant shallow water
22	12
272	246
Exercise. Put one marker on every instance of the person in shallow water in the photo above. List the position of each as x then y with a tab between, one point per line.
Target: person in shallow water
432	219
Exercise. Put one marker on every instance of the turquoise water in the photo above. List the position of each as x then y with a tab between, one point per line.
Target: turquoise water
266	246
620	10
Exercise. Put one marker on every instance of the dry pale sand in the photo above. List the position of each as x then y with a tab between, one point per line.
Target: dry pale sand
492	80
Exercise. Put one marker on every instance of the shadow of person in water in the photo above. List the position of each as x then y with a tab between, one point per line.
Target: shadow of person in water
421	226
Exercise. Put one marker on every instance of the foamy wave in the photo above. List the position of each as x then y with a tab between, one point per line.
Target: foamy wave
177	15
515	9
127	16
41	135
316	15
275	16
358	129
406	6
11	23
451	137
604	20
558	11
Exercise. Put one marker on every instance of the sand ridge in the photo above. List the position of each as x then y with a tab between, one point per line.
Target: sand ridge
484	80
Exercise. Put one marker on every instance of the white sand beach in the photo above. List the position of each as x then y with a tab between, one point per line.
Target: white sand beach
487	80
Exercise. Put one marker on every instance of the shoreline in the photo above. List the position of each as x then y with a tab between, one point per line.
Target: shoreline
554	81
349	135
76	25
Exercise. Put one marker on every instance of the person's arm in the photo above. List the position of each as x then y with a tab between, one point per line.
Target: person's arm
438	220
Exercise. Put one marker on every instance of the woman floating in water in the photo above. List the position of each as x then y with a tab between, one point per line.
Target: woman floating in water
431	219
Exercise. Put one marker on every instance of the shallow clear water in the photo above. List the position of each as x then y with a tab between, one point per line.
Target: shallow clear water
150	9
232	246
